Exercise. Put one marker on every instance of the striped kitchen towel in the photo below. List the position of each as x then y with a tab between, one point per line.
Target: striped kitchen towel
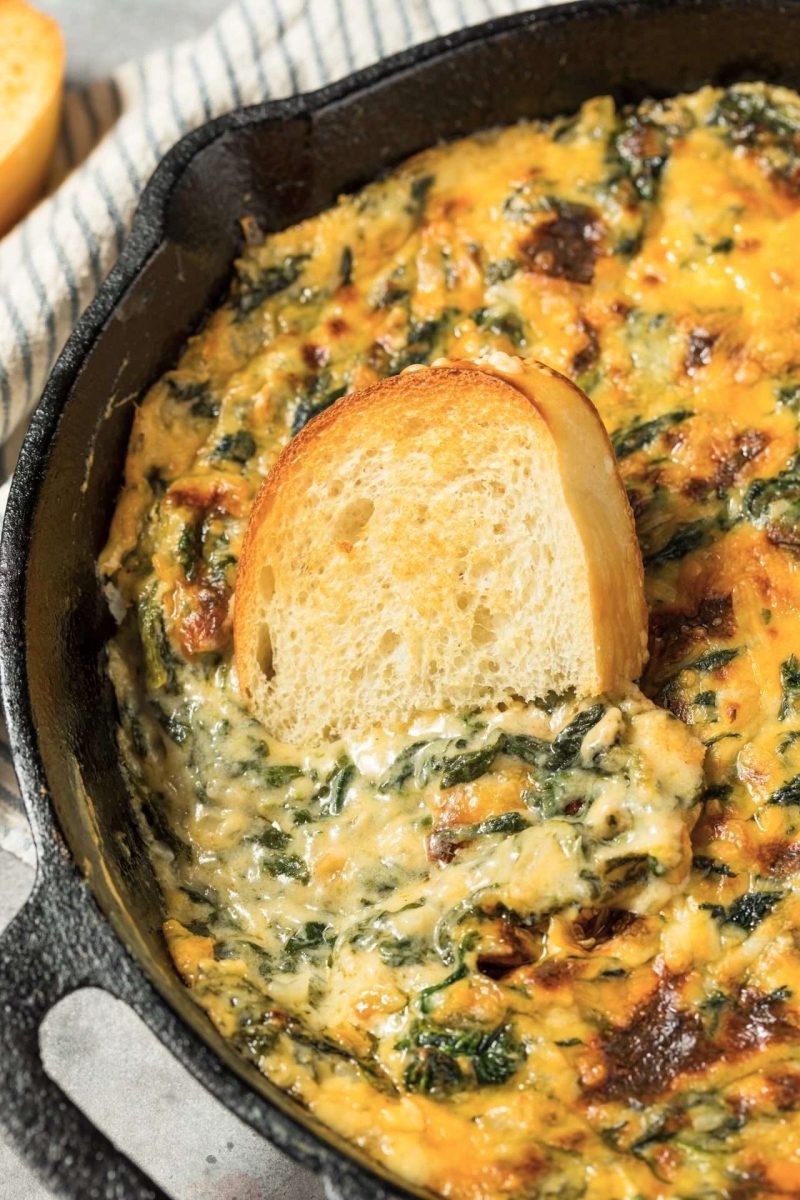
115	130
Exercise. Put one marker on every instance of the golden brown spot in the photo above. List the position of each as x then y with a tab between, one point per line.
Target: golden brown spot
674	630
489	796
207	625
698	488
505	946
755	1187
315	357
783	535
747	446
785	1089
594	927
441	849
712	824
338	326
566	246
756	1020
698	351
668	1160
210	493
643	1058
589	353
449	209
779	858
730	460
553	973
664	1041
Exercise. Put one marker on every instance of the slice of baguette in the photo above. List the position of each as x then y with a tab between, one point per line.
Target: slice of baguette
31	77
445	539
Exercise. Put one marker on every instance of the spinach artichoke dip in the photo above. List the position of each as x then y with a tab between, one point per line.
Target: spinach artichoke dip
549	949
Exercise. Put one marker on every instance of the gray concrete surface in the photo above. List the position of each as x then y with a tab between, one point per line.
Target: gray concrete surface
132	1088
101	34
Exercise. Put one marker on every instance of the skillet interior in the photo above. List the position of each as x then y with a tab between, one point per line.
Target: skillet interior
280	163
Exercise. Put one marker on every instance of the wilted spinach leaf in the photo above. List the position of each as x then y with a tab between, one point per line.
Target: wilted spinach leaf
254	285
159	659
639	434
750	909
790	686
238	447
332	794
492	1056
684	540
788	793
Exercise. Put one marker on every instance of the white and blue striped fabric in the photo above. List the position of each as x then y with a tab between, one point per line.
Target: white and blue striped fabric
113	133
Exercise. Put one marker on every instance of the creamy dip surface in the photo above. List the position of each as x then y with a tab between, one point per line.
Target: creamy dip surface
549	949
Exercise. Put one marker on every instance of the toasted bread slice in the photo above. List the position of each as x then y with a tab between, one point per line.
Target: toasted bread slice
31	77
445	539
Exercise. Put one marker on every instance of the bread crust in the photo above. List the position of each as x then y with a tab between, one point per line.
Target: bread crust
33	54
420	399
618	597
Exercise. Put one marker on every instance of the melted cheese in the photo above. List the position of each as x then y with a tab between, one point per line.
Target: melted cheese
480	957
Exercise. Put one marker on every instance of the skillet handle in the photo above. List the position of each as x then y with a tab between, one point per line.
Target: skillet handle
37	968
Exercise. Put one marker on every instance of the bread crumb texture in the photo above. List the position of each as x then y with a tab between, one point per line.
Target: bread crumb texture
441	540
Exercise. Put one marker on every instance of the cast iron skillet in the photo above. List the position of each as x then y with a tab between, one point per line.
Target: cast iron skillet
93	917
